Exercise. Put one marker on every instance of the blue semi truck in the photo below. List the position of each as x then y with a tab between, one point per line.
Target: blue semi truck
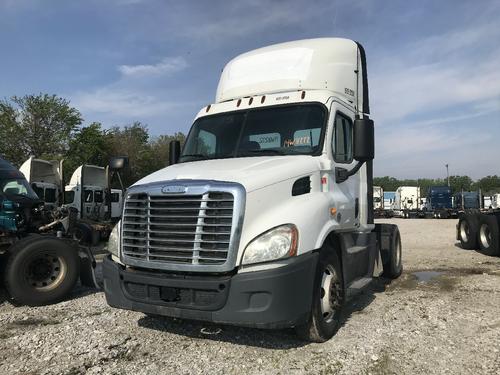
440	202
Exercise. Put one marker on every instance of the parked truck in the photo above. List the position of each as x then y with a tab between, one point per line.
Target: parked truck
408	202
39	259
467	200
439	203
90	193
379	207
265	219
45	178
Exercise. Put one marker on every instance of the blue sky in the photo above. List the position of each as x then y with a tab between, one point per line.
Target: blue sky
434	66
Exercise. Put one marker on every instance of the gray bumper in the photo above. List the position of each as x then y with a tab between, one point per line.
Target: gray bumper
276	298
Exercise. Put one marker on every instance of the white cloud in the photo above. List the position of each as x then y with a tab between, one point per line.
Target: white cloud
168	65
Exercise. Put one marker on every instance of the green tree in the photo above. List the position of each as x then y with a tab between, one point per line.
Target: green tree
40	125
489	184
459	183
89	145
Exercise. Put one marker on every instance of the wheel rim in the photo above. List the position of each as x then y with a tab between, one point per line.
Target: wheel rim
398	252
485	236
464	231
45	271
329	293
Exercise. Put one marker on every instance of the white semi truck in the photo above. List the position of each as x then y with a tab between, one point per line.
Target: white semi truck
265	219
87	191
408	202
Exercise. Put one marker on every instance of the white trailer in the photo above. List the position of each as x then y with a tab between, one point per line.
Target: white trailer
407	202
266	218
45	177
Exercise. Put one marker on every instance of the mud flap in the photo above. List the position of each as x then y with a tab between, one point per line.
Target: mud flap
87	268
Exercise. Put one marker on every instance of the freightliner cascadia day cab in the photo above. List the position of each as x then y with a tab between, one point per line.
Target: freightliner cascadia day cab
266	217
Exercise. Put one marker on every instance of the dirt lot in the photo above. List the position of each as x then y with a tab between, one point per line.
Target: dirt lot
443	321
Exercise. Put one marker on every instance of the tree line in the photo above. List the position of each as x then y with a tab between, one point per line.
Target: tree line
48	127
488	185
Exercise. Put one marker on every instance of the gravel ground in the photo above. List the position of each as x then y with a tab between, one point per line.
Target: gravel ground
441	316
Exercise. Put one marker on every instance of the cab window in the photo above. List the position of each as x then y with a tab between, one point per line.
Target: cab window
88	196
342	139
98	196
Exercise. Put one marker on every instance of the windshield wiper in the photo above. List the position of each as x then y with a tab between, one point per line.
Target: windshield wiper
199	156
263	151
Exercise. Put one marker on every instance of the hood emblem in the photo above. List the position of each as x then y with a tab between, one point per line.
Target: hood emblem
173	189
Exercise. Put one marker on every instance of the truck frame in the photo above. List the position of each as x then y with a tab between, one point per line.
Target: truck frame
266	217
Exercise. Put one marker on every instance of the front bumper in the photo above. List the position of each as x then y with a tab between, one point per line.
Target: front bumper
275	298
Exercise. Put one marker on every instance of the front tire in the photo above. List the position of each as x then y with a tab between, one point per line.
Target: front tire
41	272
328	300
393	259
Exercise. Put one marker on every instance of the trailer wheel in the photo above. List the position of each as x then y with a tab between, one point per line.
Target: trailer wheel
488	235
328	301
393	262
468	228
41	272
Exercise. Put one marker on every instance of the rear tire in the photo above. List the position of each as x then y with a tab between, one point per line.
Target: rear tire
488	235
468	228
328	300
393	262
41	272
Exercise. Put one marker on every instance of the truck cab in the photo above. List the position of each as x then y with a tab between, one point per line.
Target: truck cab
87	192
265	219
45	178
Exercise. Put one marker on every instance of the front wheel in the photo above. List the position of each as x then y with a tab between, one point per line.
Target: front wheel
393	256
42	271
328	300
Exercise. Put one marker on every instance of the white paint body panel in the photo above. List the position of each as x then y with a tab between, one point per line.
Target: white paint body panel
407	198
45	175
311	64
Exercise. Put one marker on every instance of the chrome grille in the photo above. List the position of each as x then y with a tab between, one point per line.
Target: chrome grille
189	229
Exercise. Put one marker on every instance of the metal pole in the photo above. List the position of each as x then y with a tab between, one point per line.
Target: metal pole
447	175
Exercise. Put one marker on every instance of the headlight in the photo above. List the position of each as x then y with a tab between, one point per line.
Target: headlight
114	240
280	242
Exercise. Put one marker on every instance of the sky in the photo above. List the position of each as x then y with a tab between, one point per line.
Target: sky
433	66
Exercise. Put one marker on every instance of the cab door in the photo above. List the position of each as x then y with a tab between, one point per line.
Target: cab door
349	197
345	192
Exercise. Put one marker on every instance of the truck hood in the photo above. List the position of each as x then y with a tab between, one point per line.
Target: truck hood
252	172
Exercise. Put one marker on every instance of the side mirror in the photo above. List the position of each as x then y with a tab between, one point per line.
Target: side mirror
118	162
174	152
364	140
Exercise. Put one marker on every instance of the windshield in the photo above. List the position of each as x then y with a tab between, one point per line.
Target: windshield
284	130
17	187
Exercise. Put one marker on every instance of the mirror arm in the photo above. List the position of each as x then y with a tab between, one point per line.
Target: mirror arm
342	174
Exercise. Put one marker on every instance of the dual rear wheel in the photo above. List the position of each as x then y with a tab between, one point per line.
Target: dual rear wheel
479	232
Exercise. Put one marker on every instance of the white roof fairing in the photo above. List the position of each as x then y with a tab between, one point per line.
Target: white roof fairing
332	64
